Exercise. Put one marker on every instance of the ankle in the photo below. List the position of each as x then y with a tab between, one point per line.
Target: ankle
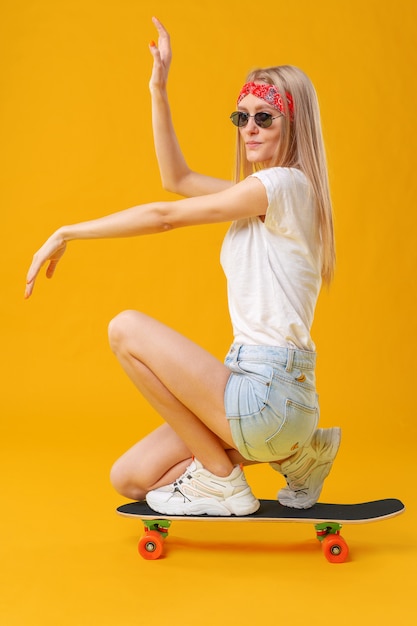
222	470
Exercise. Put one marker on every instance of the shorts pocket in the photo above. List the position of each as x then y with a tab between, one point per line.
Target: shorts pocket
297	428
247	393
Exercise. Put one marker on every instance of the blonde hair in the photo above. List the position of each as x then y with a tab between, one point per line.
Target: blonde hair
301	146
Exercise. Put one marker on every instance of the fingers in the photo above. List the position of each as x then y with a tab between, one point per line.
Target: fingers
51	268
51	253
29	289
164	43
160	28
30	278
33	273
155	52
162	56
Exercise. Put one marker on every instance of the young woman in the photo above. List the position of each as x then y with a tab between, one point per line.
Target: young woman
261	404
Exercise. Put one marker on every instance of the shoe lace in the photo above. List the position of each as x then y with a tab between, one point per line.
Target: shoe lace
185	476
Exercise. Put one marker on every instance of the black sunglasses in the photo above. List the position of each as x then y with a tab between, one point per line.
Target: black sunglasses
263	120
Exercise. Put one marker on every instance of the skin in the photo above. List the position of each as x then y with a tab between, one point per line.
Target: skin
183	382
260	143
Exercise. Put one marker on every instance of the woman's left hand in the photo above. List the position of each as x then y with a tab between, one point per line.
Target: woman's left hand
51	253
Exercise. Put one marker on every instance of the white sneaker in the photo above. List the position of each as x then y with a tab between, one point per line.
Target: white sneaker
199	492
306	470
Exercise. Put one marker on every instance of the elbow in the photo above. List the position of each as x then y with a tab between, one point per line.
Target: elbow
177	183
164	217
170	185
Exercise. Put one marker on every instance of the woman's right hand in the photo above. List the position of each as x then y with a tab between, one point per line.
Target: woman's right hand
176	176
162	55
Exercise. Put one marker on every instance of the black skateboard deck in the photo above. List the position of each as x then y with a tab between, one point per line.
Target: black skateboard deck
327	518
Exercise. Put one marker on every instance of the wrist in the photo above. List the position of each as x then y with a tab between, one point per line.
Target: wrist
158	91
64	234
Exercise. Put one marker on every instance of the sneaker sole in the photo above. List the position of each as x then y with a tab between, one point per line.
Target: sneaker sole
205	506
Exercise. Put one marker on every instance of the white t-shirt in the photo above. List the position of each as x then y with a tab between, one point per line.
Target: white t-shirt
273	268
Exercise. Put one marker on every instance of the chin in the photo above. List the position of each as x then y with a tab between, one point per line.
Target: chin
252	158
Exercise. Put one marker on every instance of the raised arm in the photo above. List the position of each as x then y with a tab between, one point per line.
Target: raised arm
176	176
246	199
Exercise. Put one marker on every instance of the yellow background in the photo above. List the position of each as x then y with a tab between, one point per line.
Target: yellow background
76	143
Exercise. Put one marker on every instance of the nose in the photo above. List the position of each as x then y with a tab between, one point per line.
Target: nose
251	126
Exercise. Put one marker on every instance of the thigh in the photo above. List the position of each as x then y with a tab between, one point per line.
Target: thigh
194	376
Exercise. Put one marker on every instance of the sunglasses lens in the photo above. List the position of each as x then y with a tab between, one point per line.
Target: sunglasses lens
239	118
264	120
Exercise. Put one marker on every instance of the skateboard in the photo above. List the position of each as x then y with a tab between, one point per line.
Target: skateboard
327	519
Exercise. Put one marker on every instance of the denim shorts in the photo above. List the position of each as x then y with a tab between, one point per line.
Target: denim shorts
270	400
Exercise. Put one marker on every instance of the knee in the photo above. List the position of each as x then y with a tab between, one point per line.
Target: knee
120	329
124	484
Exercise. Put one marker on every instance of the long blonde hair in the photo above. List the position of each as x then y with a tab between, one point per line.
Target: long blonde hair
301	146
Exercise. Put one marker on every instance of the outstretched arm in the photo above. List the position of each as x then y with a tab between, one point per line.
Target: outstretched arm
246	199
175	174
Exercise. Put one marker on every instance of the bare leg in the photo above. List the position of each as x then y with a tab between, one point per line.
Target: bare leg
185	384
141	469
156	460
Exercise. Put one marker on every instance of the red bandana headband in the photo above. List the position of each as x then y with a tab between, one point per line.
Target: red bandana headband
270	94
